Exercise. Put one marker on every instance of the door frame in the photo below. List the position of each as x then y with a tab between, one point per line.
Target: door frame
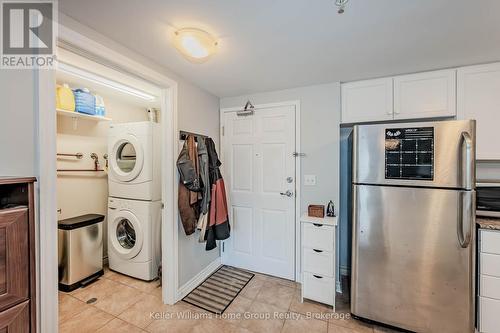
45	142
298	178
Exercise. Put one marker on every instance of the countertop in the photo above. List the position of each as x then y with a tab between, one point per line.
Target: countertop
491	223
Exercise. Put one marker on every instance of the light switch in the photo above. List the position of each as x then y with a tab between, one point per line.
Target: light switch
309	180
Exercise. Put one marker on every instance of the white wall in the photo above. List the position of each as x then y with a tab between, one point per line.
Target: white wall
17	123
198	111
319	131
319	137
199	117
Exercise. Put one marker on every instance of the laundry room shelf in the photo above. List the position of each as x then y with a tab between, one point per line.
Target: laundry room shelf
76	115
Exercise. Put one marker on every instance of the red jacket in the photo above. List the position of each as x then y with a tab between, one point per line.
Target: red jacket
218	227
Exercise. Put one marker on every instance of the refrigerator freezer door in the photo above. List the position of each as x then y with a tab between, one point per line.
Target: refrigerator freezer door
409	268
450	155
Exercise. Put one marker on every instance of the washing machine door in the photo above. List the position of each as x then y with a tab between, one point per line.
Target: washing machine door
126	234
126	158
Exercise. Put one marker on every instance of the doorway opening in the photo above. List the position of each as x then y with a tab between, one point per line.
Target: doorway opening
258	151
129	90
109	196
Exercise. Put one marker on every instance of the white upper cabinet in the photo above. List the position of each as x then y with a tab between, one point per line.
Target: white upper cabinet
369	100
479	99
425	95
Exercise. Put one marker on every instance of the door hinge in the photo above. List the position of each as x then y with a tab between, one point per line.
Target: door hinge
223	130
223	246
297	154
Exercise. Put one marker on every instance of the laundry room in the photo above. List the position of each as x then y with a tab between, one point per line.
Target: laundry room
108	179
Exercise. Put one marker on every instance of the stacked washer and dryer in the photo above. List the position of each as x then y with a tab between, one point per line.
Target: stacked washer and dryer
134	205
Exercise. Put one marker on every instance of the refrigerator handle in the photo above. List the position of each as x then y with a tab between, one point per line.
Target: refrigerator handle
466	212
467	167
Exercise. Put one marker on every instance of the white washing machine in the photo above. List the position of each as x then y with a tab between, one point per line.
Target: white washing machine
134	237
134	161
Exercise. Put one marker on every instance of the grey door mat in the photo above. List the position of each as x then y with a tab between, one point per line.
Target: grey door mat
217	292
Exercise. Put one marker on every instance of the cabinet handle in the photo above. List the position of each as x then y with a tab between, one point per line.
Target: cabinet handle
318	277
319	251
317	225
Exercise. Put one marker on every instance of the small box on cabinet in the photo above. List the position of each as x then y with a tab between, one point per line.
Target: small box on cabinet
316	210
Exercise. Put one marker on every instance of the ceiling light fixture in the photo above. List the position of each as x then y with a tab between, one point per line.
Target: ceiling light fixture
341	4
195	44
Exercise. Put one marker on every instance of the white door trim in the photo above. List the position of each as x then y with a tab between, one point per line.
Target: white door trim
298	182
46	158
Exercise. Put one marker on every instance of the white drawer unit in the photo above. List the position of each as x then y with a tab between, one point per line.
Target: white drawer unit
318	236
490	241
490	287
318	259
489	310
318	288
489	281
490	264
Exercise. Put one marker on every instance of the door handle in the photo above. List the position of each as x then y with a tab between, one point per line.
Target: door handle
318	251
466	212
467	167
288	193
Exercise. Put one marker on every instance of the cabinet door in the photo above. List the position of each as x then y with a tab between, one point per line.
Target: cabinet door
479	99
14	257
425	95
369	100
16	319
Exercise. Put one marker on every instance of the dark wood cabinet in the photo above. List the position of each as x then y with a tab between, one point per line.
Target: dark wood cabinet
14	257
17	256
16	319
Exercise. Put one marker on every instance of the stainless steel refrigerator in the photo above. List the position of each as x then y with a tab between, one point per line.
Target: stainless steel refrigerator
413	249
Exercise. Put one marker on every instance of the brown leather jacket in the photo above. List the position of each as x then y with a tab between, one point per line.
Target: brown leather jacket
189	208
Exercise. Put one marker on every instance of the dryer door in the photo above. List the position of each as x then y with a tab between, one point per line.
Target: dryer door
126	158
126	234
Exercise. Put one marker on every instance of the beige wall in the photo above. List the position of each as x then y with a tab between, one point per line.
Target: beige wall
80	193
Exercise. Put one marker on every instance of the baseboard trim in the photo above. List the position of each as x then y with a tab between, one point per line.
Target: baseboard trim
198	278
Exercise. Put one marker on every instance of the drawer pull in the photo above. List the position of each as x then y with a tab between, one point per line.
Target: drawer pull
317	225
318	251
318	277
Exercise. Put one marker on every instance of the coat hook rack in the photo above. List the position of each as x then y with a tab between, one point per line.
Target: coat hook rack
184	134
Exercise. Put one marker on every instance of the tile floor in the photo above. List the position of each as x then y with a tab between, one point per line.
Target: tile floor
266	304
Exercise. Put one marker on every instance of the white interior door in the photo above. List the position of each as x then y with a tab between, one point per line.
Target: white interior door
259	170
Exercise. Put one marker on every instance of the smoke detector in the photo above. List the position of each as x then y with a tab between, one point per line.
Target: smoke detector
341	5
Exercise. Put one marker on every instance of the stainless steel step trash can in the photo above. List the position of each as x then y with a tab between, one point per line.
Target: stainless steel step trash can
80	250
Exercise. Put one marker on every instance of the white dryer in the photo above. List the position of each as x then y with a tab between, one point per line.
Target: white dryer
134	161
134	237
